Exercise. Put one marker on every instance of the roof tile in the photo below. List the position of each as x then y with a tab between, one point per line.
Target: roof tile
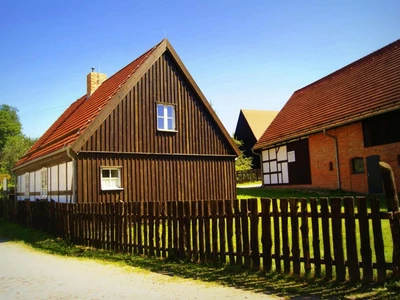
367	86
76	118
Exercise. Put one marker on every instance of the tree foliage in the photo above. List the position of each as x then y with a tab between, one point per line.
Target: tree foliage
9	124
242	163
15	147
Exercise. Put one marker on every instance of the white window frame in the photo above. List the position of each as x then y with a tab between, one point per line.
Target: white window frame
110	183
44	183
165	118
27	185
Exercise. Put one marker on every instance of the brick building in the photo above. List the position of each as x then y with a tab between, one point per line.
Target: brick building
333	133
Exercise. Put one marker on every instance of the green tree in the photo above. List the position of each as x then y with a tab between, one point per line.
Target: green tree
15	147
242	163
9	123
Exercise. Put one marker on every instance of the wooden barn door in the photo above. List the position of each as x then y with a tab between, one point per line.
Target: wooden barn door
374	175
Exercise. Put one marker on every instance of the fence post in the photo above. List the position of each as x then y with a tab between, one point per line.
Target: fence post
392	202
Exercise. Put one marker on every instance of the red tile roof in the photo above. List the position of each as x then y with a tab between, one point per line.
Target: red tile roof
76	118
368	86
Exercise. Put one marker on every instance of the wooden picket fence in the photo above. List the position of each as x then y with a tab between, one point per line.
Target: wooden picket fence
332	237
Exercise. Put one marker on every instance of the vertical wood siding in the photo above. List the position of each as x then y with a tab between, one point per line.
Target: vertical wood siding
132	126
157	178
205	170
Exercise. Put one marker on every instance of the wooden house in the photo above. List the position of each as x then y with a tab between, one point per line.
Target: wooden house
145	133
333	133
250	126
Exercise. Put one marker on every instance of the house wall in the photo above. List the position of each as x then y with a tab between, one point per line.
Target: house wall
59	184
195	162
350	144
157	178
132	126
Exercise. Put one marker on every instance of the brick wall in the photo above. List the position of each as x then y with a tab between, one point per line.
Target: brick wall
350	142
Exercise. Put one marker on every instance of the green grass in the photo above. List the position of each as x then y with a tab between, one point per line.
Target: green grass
261	192
277	284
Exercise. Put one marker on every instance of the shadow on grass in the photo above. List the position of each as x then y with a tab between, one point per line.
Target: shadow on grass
288	286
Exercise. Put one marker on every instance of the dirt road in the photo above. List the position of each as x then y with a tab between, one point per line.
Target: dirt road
28	274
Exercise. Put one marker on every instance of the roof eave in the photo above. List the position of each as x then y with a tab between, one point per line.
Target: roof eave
42	161
322	128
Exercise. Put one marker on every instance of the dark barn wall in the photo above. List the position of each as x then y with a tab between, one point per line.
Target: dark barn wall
132	126
203	170
243	133
157	178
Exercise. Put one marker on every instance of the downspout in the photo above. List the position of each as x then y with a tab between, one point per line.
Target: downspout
336	157
74	174
261	164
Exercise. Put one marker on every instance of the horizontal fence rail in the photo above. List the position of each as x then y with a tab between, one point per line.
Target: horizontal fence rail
336	238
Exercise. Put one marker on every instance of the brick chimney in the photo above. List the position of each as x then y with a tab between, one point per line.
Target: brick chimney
94	80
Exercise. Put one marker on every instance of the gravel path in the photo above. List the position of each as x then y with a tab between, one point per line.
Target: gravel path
28	274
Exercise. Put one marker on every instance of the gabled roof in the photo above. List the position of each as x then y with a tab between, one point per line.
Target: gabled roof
258	120
71	130
366	87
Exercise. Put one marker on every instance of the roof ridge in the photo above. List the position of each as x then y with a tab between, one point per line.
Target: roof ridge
351	65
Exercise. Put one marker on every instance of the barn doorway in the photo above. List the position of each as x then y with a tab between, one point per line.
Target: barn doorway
374	175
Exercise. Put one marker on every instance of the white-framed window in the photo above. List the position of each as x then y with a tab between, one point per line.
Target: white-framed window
43	176
27	185
111	178
165	117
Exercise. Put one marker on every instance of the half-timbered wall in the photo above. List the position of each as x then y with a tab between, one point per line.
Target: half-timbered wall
157	178
287	164
59	184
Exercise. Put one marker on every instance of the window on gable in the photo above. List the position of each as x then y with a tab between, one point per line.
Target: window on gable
165	117
43	174
27	184
357	165
111	178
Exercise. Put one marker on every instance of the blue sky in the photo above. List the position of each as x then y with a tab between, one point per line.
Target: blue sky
242	54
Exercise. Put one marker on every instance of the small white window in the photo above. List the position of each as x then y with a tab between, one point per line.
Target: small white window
165	117
43	174
110	178
27	185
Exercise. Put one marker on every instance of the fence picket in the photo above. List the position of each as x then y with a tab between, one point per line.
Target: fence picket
315	237
378	239
201	231
351	241
277	232
337	235
266	234
222	239
295	235
238	235
285	235
255	251
229	231
245	232
195	231
305	235
186	222
326	238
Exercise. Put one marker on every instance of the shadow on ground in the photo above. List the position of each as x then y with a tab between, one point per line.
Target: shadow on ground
287	286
